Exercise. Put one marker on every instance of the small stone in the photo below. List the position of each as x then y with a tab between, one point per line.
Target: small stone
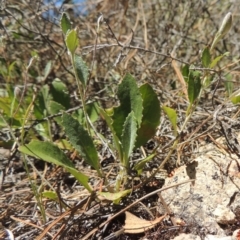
208	201
223	215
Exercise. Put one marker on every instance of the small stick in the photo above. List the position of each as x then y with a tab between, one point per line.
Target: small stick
131	205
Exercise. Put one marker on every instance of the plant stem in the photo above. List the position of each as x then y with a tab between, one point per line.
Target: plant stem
81	90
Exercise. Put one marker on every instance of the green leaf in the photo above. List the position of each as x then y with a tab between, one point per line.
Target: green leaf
194	85
228	84
7	144
47	69
185	72
151	115
54	108
72	40
43	130
206	57
14	122
53	196
41	103
51	99
59	92
235	99
207	80
172	115
64	144
50	195
130	100
92	112
129	137
5	104
81	141
217	59
140	165
224	29
12	69
3	93
81	70
65	23
52	154
109	122
116	197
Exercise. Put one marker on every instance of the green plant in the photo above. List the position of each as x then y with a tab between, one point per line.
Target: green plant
132	123
198	80
135	37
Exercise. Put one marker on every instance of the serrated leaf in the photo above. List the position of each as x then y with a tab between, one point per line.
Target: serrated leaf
130	100
109	122
194	85
81	69
81	141
52	154
206	57
129	137
72	41
65	23
172	115
151	115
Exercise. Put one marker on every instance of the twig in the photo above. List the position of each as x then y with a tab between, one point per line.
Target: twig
131	205
83	202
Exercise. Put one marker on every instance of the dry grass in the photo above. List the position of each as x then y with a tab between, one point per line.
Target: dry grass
150	39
